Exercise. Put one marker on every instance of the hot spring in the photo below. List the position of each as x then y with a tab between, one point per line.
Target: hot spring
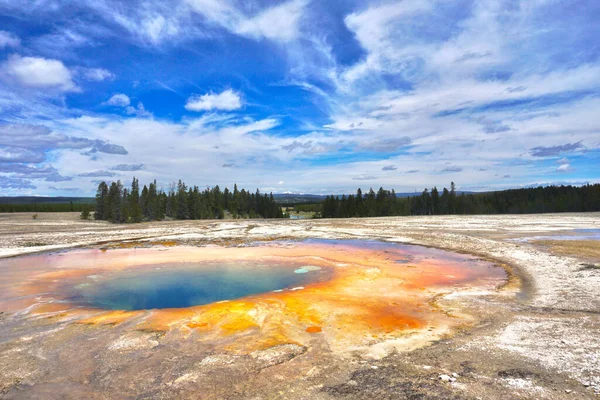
253	296
189	284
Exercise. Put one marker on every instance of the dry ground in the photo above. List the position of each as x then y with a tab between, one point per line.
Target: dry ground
538	342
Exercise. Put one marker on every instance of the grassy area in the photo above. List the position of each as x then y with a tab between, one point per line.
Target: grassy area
298	214
575	248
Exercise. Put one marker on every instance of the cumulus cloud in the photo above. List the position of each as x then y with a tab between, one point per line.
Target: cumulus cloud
228	100
38	73
389	168
8	39
123	101
118	100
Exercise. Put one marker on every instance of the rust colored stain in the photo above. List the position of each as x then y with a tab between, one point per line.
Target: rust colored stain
372	293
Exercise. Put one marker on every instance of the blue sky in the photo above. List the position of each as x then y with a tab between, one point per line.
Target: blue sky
298	96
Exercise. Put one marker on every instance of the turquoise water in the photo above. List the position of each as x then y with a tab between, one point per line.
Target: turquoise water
185	285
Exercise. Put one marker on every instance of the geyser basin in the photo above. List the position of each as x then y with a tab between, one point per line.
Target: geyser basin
189	284
349	294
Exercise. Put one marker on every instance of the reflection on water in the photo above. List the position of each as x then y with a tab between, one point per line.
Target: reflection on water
189	284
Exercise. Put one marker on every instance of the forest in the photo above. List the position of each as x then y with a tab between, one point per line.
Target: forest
116	203
548	199
44	206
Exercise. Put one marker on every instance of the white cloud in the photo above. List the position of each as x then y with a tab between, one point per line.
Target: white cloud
8	39
38	73
118	100
564	168
123	101
279	23
228	100
97	74
138	111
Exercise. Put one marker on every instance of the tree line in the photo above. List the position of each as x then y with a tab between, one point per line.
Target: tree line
116	203
548	199
44	207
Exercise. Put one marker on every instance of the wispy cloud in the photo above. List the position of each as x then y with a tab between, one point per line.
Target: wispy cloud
128	167
8	39
96	74
96	174
541	151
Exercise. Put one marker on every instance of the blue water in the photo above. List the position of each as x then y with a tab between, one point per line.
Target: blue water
185	285
575	234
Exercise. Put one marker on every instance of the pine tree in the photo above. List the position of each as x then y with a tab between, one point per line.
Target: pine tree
101	196
135	210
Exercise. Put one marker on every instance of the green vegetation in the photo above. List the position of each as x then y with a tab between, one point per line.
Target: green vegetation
515	201
116	204
42	204
85	213
589	267
309	208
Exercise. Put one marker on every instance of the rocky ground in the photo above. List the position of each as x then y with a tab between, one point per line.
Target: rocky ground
537	342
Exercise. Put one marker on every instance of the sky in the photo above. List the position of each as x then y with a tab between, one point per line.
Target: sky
298	96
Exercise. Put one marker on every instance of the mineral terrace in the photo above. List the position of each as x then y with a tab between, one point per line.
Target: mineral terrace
528	330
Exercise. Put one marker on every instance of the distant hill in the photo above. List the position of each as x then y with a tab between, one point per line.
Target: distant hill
292	198
46	200
301	198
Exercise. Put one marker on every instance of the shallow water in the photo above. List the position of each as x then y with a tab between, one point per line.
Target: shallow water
575	234
188	284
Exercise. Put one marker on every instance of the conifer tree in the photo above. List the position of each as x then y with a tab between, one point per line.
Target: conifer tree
101	198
